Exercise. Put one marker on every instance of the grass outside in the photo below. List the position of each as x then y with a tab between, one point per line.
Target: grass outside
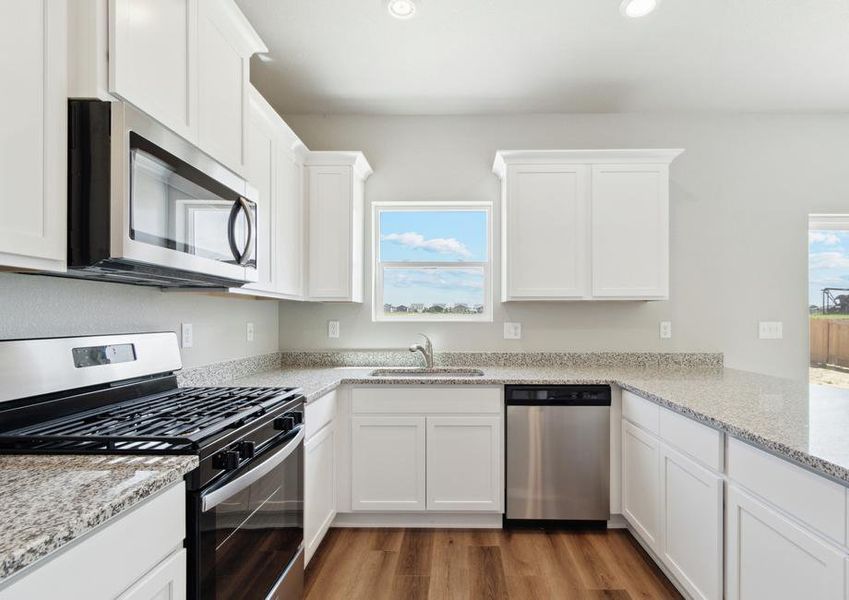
832	377
831	316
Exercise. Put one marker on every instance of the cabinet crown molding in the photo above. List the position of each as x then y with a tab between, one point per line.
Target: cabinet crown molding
252	43
355	159
619	156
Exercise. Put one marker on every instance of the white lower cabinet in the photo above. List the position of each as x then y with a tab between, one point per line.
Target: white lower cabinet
769	556
691	524
388	463
641	482
463	463
427	448
151	567
319	487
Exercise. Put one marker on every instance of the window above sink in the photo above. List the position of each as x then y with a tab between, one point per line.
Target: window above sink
432	261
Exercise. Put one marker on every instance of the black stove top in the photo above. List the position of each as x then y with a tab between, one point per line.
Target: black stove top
176	421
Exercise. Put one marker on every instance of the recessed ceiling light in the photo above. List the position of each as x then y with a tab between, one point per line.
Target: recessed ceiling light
401	9
637	8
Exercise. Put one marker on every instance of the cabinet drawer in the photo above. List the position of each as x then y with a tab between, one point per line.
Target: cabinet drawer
319	413
699	441
640	411
810	498
426	399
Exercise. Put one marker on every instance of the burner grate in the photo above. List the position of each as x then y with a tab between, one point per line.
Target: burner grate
174	421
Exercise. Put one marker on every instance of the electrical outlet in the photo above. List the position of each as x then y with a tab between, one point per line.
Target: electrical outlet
512	331
249	331
665	330
333	329
770	330
187	335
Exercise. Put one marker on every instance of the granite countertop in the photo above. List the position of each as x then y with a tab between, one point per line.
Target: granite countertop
48	501
804	424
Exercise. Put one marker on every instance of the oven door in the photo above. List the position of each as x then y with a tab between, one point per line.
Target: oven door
174	206
250	530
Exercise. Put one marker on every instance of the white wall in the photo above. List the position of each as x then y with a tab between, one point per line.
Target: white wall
740	196
36	306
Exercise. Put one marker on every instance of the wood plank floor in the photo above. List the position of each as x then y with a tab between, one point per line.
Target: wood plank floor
479	564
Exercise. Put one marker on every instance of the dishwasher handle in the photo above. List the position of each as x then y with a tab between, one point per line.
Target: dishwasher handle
557	395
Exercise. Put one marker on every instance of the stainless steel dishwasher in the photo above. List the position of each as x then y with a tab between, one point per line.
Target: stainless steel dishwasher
558	454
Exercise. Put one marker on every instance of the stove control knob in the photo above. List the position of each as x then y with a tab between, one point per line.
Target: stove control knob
284	424
247	449
227	460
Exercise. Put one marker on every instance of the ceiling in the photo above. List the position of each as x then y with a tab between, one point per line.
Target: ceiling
534	56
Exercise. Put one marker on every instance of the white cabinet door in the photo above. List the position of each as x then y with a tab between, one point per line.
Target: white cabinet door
545	225
289	226
630	231
319	487
152	59
641	483
464	464
33	135
691	524
330	232
388	463
223	79
768	556
167	581
261	172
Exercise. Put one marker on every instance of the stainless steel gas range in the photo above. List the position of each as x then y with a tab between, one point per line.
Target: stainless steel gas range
118	394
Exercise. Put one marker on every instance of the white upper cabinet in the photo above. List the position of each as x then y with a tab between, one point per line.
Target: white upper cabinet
335	183
33	144
275	169
226	42
186	63
152	47
630	231
545	207
585	224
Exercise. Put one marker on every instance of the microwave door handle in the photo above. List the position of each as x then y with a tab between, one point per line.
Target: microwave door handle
242	256
250	215
228	490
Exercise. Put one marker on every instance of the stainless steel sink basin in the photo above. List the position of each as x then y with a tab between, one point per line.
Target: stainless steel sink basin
423	372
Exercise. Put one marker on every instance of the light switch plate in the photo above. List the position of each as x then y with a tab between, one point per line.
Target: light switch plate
187	335
512	331
333	329
249	331
770	330
665	330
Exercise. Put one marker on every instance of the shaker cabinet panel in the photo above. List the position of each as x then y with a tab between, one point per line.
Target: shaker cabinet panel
388	463
33	142
152	62
630	231
545	224
319	487
641	483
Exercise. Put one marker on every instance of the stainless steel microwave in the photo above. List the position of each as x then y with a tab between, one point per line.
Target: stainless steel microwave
147	207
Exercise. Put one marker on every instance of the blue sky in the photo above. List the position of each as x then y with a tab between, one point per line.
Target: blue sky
828	262
433	236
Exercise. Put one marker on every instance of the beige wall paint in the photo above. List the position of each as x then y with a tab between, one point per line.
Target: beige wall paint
740	196
37	306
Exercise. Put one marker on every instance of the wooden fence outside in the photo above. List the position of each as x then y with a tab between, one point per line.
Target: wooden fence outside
830	342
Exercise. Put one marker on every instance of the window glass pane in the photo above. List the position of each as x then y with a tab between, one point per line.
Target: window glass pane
436	290
433	235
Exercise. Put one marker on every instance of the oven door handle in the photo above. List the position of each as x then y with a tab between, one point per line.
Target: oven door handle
228	490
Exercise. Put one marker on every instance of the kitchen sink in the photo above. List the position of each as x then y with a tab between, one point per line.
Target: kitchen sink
425	372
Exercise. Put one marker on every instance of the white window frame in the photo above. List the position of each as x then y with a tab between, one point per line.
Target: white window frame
378	266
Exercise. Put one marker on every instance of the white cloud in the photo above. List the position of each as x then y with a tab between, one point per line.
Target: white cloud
414	240
828	260
823	237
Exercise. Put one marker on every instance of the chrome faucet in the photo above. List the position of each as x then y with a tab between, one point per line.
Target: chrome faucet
426	350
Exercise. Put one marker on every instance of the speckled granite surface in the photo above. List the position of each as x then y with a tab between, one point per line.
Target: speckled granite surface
805	424
47	501
218	373
398	358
